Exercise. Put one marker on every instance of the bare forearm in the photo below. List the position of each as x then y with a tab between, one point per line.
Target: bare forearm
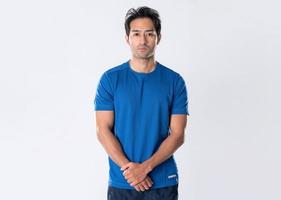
112	147
166	149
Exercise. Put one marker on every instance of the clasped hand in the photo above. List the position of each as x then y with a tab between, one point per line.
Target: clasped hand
136	176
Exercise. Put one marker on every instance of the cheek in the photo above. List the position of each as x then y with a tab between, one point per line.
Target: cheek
134	45
153	42
152	45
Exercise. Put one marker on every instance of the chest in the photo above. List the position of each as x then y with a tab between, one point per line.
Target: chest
143	94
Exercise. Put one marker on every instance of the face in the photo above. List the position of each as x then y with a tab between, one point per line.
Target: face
142	38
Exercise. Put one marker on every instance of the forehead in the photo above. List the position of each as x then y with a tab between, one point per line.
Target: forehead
142	24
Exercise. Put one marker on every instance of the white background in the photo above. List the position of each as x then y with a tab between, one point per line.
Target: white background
52	54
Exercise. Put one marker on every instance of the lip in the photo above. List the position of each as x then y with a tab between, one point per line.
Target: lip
142	49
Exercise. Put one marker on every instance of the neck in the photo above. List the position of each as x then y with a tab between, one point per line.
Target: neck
143	65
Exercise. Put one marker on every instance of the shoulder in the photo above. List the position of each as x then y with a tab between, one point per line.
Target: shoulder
170	73
174	78
111	71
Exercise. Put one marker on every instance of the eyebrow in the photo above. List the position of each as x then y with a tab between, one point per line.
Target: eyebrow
136	30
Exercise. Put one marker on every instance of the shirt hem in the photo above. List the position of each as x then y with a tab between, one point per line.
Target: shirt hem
156	185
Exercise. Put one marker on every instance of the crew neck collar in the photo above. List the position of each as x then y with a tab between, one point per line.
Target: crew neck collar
143	73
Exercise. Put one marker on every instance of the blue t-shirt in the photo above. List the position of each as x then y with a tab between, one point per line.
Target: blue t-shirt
143	104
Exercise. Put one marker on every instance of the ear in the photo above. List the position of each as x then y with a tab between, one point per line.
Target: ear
159	38
127	39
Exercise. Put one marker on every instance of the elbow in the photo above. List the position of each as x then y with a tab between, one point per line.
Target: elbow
180	140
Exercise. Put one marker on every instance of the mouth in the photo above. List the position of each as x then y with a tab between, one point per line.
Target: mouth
142	49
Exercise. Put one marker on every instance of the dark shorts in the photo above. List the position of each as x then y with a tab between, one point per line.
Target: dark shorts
165	193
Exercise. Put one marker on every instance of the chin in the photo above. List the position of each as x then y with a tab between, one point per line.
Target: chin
144	56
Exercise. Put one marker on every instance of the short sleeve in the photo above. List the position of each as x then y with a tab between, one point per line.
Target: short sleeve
104	98
180	98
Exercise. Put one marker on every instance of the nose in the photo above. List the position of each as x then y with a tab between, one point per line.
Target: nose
143	39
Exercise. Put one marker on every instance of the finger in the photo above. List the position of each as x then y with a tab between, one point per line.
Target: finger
149	181
137	188
135	182
128	176
126	172
130	180
141	187
144	184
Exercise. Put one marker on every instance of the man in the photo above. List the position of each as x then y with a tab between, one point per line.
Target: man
141	113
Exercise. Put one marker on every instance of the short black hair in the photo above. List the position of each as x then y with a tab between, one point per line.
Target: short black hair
142	12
